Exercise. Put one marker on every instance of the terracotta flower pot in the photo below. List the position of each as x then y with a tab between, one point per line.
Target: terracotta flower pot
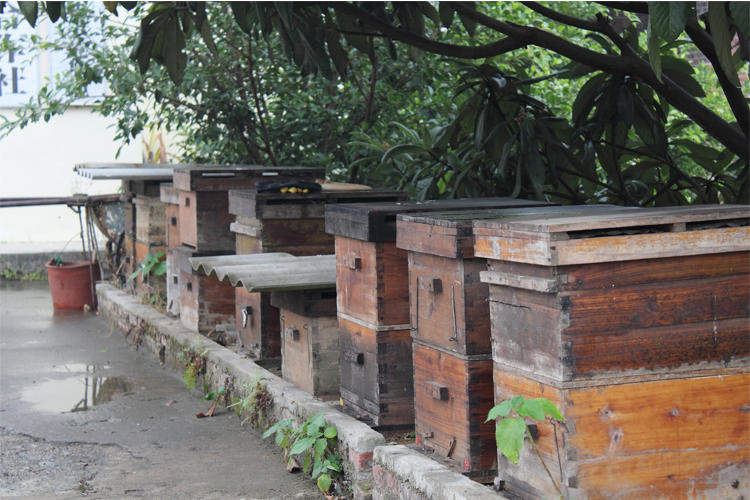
70	284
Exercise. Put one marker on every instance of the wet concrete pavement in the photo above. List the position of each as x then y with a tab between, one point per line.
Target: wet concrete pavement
84	414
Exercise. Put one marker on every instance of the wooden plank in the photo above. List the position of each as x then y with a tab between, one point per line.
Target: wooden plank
620	218
377	221
205	302
377	291
649	246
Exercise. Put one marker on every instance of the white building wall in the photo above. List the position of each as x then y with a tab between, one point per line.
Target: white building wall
38	161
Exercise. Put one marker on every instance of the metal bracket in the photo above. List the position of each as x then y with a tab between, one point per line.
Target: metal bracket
247	312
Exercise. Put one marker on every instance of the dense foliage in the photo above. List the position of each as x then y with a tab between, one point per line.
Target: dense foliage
625	102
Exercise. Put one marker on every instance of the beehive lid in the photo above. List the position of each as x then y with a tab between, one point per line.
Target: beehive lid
377	221
270	272
251	204
623	234
449	233
225	177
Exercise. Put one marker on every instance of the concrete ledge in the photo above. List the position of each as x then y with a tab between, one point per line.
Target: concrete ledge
168	339
401	473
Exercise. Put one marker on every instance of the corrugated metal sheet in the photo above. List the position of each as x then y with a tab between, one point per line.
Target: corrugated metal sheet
269	272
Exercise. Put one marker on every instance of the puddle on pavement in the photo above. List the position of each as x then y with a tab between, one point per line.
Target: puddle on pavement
77	393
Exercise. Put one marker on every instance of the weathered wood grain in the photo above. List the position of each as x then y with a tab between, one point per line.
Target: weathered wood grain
375	373
172	225
449	305
454	427
204	221
309	353
377	290
615	235
149	220
603	320
205	302
672	438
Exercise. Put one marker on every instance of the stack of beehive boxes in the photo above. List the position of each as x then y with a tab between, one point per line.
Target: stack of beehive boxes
276	221
204	221
636	324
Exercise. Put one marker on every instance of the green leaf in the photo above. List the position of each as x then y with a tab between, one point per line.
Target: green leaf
318	420
654	56
338	54
241	13
330	432
324	482
320	447
278	425
400	149
317	468
54	10
722	37
741	15
516	402
210	396
667	19
499	410
509	435
586	98
550	409
30	11
532	409
301	445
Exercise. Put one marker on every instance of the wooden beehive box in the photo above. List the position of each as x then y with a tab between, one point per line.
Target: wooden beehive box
303	288
170	197
283	222
204	206
295	223
373	304
309	340
636	324
205	301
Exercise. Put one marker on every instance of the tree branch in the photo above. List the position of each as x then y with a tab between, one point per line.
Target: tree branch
563	18
734	95
731	137
420	42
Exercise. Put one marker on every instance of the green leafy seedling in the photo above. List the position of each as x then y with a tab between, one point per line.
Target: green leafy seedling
511	427
153	263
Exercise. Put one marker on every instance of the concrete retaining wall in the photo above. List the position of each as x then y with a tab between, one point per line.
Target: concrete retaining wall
375	470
